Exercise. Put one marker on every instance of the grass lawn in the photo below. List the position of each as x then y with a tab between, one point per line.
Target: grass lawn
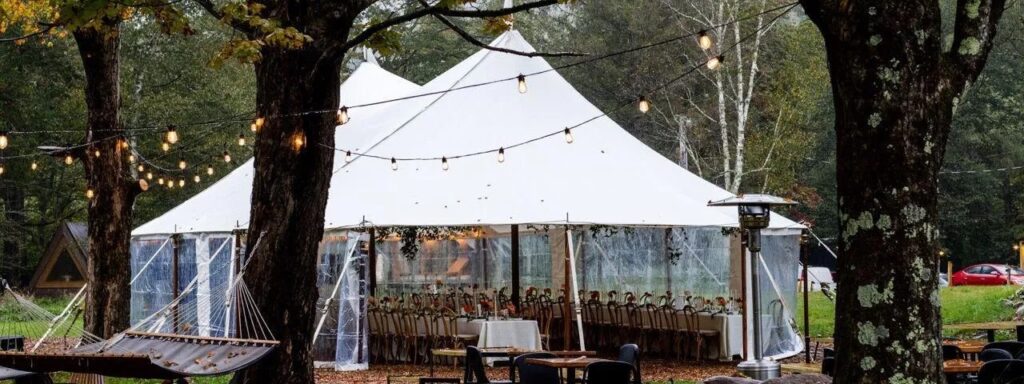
959	305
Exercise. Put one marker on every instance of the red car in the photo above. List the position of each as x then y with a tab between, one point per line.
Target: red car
989	274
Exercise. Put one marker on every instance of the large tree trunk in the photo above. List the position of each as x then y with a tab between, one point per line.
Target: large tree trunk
110	211
288	202
894	91
15	265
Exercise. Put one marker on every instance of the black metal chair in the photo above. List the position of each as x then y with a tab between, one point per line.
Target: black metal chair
1014	347
475	373
1007	371
630	353
608	372
530	374
994	354
950	352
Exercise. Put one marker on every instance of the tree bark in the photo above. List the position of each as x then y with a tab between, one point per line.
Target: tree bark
110	211
894	91
288	201
15	265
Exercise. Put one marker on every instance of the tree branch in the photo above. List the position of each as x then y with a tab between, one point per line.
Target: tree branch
473	40
974	32
436	10
216	13
28	36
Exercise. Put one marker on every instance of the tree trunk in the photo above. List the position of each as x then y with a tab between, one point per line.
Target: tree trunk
894	91
110	211
288	202
15	264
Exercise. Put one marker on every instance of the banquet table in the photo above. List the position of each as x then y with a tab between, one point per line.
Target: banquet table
519	334
728	326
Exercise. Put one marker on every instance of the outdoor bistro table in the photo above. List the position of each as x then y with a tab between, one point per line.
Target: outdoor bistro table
570	364
955	366
510	353
969	348
989	328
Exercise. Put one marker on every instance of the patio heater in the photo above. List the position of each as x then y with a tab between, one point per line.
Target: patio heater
754	212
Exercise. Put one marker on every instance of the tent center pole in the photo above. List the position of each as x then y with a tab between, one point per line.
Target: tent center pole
175	264
515	268
566	307
805	258
372	250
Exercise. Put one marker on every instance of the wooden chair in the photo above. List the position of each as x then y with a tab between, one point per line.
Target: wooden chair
695	334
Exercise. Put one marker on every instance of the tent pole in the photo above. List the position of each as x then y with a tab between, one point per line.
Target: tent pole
372	249
743	289
805	240
175	263
515	267
566	307
575	290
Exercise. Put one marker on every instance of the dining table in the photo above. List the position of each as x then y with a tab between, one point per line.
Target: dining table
958	366
990	328
569	364
508	353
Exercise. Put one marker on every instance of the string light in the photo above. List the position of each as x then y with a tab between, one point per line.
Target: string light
241	140
141	168
501	155
35	166
149	175
643	104
394	164
704	40
209	170
3	140
160	181
89	193
348	156
172	134
227	156
256	125
252	127
122	143
715	62
68	159
170	184
96	152
182	164
444	163
181	182
522	83
165	146
568	136
298	140
131	158
342	115
1	168
196	179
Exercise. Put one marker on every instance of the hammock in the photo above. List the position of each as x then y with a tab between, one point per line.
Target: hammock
169	344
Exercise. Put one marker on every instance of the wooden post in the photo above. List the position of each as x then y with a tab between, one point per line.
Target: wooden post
1020	253
372	249
949	272
235	303
567	306
175	288
805	258
515	268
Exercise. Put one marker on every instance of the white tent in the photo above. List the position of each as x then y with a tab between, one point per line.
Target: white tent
225	205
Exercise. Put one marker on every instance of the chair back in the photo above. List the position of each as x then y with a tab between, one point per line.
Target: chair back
950	352
828	366
535	374
994	354
608	372
691	319
1014	347
1001	372
475	372
630	353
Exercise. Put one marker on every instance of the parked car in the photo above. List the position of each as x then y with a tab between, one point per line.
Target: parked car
989	274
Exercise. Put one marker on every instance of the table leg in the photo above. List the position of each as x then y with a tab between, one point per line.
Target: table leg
991	335
571	373
431	359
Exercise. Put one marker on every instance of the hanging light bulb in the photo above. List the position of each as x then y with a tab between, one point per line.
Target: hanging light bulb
715	62
444	163
160	181
241	140
96	152
35	166
252	127
342	115
131	158
89	193
181	182
170	184
704	40
394	164
643	104
196	179
149	175
227	156
501	155
141	168
172	134
121	142
257	124
568	136
68	159
348	156
209	170
165	146
298	140
182	164
522	83
2	168
3	140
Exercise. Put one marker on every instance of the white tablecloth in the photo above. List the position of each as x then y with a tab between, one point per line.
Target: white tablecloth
730	334
521	334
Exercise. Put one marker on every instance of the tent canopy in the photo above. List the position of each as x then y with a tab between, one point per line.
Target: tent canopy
225	205
606	176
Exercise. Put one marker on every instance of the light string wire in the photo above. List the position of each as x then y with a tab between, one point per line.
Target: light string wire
569	128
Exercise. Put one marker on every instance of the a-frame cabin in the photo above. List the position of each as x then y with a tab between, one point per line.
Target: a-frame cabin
62	268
